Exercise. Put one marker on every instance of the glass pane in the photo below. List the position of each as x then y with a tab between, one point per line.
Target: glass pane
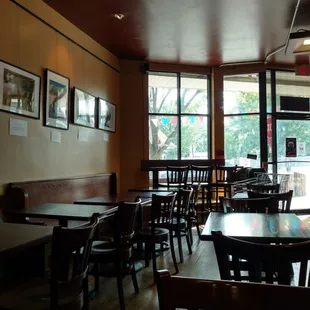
268	91
194	137
242	137
241	94
297	168
288	84
163	93
163	137
269	137
194	95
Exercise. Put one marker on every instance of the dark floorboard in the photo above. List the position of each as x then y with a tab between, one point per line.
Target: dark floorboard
201	264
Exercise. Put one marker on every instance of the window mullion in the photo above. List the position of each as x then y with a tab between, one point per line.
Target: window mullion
179	113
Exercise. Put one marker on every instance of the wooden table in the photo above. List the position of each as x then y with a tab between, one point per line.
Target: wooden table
22	252
16	237
256	227
114	200
65	212
159	191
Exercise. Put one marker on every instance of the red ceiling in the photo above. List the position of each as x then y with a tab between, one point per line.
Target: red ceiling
203	32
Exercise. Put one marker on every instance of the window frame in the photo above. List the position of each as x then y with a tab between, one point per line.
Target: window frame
180	114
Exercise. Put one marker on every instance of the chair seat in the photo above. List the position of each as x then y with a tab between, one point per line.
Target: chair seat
160	233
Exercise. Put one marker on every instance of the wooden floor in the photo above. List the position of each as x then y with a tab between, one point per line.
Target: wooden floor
202	263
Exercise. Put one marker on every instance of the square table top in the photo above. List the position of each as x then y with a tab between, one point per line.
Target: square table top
64	211
15	237
114	200
257	227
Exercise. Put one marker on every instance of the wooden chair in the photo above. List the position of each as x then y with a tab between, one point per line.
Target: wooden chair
177	176
224	177
68	285
255	262
158	232
282	201
264	188
179	225
194	212
175	292
117	254
247	205
203	175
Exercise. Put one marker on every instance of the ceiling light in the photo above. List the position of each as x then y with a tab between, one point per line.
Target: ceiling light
119	16
306	42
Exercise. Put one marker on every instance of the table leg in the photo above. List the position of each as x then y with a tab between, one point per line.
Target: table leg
63	222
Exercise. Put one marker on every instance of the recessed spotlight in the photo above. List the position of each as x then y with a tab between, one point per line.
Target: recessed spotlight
119	16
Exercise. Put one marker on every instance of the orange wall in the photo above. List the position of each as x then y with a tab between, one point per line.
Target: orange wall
133	114
32	45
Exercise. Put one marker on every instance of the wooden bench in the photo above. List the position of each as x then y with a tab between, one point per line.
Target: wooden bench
34	193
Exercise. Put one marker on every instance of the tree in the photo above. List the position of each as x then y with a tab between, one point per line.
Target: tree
164	101
242	133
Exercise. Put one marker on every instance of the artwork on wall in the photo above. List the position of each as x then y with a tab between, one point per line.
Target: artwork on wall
56	100
84	108
19	91
106	115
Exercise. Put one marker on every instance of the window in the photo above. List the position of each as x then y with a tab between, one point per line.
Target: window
179	116
241	120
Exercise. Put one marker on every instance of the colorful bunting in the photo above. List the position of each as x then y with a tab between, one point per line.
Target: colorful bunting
164	121
174	120
192	119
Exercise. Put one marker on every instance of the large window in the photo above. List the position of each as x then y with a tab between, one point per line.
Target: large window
179	116
241	120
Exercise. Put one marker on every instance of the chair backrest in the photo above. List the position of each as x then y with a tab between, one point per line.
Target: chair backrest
182	202
250	205
282	201
264	188
201	174
124	223
176	292
69	264
225	173
177	175
256	262
162	207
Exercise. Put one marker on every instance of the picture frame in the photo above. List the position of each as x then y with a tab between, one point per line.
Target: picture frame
20	91
56	103
84	108
106	115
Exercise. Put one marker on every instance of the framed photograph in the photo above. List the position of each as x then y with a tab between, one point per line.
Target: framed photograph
57	89
84	111
106	115
19	91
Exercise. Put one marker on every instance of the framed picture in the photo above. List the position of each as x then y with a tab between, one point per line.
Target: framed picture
106	115
19	91
84	108
56	112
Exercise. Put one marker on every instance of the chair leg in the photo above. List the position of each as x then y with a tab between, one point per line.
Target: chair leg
96	277
85	294
134	278
188	241
154	260
180	246
190	225
198	230
120	289
147	252
173	254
